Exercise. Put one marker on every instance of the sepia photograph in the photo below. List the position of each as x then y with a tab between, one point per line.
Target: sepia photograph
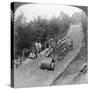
49	44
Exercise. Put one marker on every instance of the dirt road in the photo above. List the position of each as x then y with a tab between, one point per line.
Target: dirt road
29	74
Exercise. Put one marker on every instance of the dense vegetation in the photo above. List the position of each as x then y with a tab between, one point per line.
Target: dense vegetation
40	29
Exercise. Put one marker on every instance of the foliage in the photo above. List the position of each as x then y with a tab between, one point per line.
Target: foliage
40	29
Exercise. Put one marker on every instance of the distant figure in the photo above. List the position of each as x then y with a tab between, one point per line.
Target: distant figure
17	62
52	43
38	46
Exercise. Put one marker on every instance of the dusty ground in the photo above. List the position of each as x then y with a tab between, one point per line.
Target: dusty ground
29	74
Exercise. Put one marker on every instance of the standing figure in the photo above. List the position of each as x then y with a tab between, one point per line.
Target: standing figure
38	46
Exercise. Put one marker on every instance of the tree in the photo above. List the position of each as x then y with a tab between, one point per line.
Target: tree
20	21
65	21
80	17
37	30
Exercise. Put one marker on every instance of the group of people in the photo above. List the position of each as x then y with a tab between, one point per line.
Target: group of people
35	50
59	46
62	47
28	53
56	51
66	46
18	62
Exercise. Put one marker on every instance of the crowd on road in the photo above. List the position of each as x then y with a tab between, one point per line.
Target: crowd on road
62	47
